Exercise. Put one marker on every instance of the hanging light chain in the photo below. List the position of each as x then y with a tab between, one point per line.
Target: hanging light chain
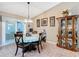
28	10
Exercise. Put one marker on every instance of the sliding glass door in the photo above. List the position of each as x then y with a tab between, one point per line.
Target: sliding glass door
10	30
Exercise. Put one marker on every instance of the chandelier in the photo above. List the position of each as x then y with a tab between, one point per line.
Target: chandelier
28	11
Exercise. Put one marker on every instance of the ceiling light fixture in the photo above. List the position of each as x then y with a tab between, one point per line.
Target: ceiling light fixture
28	17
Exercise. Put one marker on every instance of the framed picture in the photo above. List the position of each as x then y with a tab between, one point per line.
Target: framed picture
44	22
52	21
38	22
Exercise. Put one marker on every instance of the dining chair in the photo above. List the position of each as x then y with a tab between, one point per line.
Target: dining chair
20	43
38	43
19	32
42	39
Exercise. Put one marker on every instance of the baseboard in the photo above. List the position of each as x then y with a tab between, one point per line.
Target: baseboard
51	42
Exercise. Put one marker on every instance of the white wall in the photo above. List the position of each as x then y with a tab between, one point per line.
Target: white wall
57	12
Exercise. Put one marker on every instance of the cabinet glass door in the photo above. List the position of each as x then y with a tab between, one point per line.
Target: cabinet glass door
63	32
76	32
69	35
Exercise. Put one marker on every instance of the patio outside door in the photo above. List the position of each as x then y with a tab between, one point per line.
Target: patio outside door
10	30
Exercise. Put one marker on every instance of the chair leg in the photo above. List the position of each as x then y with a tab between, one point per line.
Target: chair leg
45	40
41	45
23	52
16	51
38	48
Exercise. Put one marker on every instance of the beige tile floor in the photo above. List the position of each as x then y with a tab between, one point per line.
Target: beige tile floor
49	50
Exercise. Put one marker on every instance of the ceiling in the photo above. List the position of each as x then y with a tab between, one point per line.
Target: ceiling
21	9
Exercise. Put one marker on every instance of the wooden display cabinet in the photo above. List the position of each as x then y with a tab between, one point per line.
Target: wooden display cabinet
68	29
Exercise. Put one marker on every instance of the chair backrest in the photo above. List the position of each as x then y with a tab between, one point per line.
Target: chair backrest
34	32
28	34
18	38
42	38
19	32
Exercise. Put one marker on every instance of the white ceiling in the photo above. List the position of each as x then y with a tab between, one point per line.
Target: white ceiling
20	8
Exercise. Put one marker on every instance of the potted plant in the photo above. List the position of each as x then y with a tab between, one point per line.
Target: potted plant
65	12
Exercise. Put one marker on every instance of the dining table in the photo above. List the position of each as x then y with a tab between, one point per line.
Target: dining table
34	38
